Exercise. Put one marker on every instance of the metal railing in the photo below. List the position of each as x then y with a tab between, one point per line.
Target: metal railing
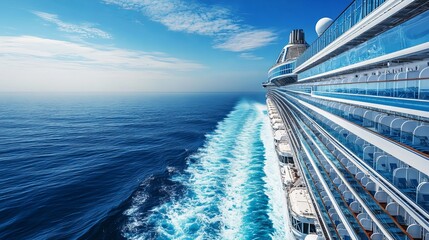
353	14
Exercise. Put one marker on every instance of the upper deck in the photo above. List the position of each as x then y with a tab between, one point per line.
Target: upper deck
362	20
352	15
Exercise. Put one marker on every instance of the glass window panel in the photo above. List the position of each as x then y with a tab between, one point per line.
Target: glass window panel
391	40
389	89
364	8
416	31
408	34
347	19
381	89
372	88
412	89
340	21
369	6
400	88
312	228
374	48
362	88
304	228
358	11
424	90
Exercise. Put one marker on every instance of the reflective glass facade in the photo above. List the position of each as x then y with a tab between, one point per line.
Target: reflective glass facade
281	70
411	89
408	34
357	10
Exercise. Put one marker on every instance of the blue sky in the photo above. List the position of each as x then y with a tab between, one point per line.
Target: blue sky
148	45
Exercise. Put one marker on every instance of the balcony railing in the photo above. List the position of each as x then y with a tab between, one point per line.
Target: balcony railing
380	161
281	70
406	35
353	14
404	88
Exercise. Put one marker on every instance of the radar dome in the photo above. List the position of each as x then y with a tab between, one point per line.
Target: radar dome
322	25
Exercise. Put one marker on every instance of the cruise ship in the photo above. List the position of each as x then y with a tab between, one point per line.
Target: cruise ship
302	215
352	112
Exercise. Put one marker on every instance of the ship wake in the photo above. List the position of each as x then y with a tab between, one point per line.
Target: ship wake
232	187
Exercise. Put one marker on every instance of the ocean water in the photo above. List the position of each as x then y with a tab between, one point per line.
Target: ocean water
166	166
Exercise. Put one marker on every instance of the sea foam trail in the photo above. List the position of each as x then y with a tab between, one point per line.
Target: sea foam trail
279	214
233	188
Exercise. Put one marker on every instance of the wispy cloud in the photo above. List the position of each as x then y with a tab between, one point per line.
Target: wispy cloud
249	56
83	30
53	65
245	41
192	17
87	56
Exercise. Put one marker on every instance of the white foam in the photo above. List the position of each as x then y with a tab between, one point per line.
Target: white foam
217	182
279	214
233	205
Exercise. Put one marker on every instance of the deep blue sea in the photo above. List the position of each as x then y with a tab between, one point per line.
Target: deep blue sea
138	166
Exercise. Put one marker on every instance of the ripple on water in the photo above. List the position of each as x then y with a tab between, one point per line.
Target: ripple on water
230	191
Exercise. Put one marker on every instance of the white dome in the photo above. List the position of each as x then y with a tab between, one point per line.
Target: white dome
322	25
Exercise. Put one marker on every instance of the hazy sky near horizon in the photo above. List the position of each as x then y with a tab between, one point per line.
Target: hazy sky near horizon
148	45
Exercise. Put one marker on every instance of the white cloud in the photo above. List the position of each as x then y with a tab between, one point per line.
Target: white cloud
247	41
38	64
84	30
26	48
191	17
249	56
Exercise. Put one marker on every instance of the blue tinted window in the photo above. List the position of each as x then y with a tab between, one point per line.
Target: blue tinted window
408	34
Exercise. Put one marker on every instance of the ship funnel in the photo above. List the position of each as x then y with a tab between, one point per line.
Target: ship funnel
297	37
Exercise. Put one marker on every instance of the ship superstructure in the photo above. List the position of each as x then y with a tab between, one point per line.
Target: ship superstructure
302	217
355	108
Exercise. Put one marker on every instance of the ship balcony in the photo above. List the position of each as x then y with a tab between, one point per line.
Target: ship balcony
408	84
380	161
395	44
402	100
405	131
341	198
316	188
414	185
